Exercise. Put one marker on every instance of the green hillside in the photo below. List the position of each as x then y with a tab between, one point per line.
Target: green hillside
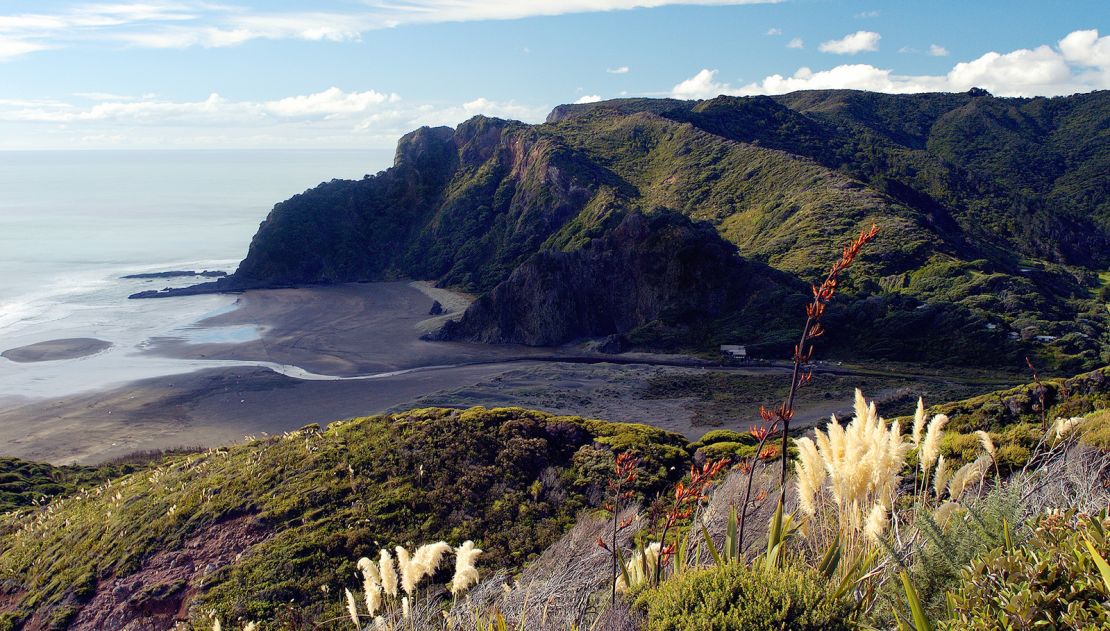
306	504
255	530
994	216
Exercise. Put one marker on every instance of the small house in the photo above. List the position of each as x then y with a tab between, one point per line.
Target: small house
734	351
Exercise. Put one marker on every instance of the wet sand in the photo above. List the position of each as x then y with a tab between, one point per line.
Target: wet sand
352	340
56	350
343	330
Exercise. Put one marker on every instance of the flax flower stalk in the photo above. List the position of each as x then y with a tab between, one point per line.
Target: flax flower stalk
803	354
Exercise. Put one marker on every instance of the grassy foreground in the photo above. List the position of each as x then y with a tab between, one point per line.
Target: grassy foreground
269	530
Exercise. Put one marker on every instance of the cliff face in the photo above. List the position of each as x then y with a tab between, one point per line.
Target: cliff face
994	217
660	273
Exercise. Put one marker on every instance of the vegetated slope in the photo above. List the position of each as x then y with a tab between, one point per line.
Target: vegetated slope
657	277
253	531
994	213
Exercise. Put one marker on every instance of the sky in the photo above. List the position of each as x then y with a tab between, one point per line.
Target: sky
334	74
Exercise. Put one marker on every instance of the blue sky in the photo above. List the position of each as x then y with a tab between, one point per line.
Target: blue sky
358	73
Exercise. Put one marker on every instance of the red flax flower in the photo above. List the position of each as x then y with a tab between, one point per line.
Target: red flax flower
686	496
620	488
802	355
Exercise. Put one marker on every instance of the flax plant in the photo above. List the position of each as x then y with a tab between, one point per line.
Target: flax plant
625	471
779	419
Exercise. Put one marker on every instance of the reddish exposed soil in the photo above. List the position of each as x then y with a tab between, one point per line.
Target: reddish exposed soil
159	594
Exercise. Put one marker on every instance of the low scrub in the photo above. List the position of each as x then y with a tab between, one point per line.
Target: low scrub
735	596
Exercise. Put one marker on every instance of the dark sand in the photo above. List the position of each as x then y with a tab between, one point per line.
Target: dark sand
343	333
343	330
53	350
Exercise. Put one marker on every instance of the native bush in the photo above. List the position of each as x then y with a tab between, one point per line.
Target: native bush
735	596
1053	581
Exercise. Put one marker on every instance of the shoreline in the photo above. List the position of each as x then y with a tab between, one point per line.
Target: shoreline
321	354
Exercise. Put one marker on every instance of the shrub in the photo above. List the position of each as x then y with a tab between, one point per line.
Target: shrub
961	447
1052	581
1012	457
951	542
1095	431
730	450
735	596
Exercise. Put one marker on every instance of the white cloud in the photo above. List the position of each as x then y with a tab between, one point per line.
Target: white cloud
796	43
329	102
1080	63
774	31
11	48
936	50
186	23
588	98
329	118
618	70
703	85
858	42
867	14
103	96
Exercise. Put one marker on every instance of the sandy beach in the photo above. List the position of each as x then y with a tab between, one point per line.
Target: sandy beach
56	350
355	350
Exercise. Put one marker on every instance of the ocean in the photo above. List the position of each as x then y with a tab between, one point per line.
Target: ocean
72	223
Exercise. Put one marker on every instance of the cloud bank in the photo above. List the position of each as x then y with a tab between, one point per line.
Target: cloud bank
188	23
329	118
1080	62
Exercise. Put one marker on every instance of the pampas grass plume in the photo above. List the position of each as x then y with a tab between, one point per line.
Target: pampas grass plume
876	522
918	422
352	606
371	584
429	556
388	574
811	475
410	572
941	477
930	446
466	574
1064	426
987	443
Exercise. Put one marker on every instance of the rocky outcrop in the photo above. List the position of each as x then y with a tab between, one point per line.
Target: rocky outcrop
659	271
176	274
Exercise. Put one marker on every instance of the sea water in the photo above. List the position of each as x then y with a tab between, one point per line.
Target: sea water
72	223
